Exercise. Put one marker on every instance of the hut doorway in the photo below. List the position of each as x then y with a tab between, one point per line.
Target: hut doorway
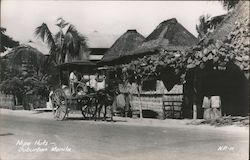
230	84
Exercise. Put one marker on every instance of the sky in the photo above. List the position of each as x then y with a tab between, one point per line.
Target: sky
101	21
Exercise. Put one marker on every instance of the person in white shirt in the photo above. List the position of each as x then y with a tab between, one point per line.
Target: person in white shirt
100	84
73	80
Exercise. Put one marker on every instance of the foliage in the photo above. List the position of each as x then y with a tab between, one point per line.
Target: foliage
23	73
228	4
234	49
203	26
62	45
6	41
2	68
20	84
29	56
149	66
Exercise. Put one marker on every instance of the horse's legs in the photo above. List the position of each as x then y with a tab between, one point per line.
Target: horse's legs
112	112
105	112
99	110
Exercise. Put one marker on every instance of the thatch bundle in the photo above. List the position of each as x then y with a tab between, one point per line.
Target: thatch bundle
224	121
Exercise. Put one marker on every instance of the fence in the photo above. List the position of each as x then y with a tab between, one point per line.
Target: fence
6	101
31	102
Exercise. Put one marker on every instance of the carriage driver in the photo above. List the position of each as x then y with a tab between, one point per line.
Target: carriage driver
73	81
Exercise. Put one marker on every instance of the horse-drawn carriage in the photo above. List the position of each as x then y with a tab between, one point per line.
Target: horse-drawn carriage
92	104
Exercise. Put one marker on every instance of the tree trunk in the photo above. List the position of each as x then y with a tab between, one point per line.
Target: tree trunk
140	103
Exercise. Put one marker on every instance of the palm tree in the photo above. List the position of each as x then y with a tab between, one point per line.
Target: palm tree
228	4
6	41
63	46
203	26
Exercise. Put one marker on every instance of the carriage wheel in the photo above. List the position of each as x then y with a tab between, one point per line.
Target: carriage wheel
89	109
59	100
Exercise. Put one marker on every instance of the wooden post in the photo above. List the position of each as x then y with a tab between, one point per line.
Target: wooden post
194	111
195	96
140	103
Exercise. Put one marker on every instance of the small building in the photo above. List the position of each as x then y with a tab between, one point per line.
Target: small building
122	46
168	36
232	82
24	61
96	54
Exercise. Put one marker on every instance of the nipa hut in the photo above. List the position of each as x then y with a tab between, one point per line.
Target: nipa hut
121	47
129	41
227	77
158	95
168	36
27	61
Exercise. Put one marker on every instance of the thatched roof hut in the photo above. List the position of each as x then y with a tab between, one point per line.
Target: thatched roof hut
240	13
123	45
229	41
25	53
26	59
168	35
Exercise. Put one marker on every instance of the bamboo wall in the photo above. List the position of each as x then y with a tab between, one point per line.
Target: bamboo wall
153	100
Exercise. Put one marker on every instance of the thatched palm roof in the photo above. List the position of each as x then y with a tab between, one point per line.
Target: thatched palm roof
168	35
25	54
240	13
123	45
17	54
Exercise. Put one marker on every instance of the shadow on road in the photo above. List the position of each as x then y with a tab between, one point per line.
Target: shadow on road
6	134
92	119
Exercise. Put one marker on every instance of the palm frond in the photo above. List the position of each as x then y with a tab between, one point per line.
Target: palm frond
228	4
203	26
44	33
74	41
6	41
2	29
61	23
